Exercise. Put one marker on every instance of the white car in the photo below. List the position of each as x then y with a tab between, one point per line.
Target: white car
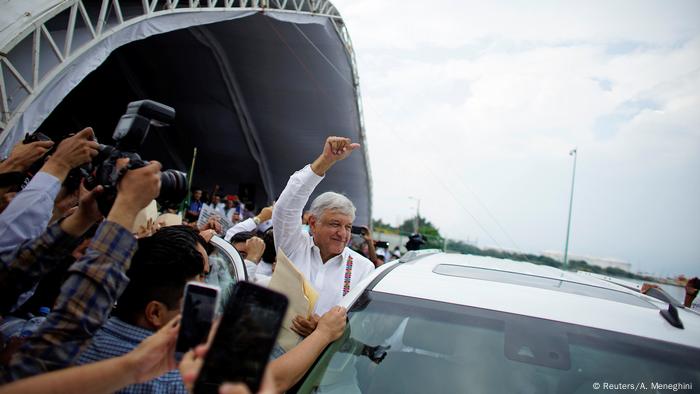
449	323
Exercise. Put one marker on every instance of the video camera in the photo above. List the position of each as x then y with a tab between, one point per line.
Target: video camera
129	135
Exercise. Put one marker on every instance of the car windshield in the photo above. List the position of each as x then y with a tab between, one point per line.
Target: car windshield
396	344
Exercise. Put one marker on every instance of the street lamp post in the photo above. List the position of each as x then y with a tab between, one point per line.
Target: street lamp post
573	153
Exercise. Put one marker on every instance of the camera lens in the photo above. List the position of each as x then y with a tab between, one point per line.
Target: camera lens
173	187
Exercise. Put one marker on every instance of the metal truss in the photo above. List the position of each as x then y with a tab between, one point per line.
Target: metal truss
51	37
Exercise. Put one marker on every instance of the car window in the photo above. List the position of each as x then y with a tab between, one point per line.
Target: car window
225	268
408	345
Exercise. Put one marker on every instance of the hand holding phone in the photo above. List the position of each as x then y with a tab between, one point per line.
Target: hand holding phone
198	310
245	337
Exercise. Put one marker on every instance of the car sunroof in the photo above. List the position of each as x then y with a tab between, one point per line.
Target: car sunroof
541	283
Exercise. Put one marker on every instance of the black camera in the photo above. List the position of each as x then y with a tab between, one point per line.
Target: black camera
129	135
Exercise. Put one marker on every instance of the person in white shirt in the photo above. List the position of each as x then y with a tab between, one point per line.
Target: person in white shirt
251	224
217	205
324	258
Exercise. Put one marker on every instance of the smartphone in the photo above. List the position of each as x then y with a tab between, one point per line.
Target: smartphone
245	337
357	230
198	310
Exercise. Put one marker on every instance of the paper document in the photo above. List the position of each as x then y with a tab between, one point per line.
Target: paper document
207	212
288	280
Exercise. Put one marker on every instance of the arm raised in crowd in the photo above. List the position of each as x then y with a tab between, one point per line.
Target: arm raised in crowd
22	157
93	285
29	212
249	224
335	150
286	218
152	358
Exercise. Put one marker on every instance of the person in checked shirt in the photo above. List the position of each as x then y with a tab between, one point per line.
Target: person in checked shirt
94	282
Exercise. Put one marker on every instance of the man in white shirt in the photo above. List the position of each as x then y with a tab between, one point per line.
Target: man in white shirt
217	205
324	258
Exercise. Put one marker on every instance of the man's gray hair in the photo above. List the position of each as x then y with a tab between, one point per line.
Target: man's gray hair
334	202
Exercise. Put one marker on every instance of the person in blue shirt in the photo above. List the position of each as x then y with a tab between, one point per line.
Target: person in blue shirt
195	206
28	214
160	268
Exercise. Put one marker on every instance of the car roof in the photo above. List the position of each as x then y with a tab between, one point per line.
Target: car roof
532	290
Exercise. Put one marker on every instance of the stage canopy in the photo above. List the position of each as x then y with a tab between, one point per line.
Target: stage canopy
257	85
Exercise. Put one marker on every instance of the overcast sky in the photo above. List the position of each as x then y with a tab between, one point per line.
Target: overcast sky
473	107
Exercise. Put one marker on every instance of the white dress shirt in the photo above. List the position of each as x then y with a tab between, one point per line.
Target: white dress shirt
263	267
219	208
298	245
246	225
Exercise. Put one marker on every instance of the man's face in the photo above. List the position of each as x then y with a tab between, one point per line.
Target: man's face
197	195
331	231
216	199
236	216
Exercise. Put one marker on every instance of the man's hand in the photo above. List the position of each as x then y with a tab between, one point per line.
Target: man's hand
212	224
139	187
86	214
265	214
207	234
367	235
72	152
149	229
24	155
155	355
303	326
332	323
255	247
135	191
335	149
192	363
65	204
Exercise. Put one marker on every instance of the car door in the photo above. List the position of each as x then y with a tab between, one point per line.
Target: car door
228	257
225	268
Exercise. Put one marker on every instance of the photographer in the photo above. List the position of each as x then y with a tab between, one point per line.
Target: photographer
22	269
28	214
94	282
371	248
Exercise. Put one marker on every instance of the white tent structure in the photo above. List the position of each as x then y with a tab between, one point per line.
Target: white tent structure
257	84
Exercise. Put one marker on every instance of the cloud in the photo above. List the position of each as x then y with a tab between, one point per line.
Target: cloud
473	107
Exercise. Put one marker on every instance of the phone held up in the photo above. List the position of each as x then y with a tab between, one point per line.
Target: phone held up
357	230
198	311
245	337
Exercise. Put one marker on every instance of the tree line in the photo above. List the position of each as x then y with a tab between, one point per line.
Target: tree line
434	240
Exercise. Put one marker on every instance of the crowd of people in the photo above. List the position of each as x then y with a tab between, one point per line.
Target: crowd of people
93	298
